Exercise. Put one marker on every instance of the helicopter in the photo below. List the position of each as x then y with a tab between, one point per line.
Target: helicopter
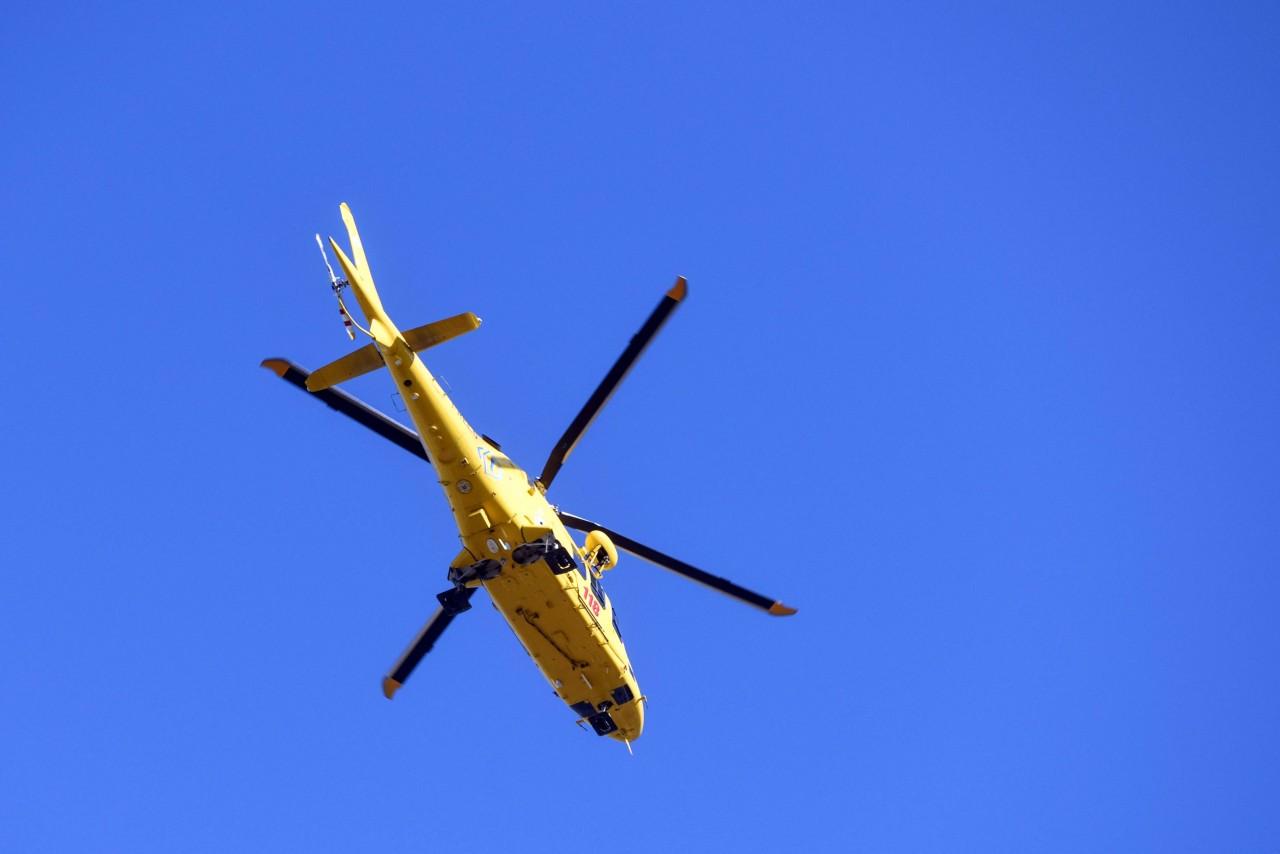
515	543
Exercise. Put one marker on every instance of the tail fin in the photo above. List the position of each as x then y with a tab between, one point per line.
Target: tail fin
361	280
368	359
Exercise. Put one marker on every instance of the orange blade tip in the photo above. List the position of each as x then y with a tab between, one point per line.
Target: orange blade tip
280	366
390	687
679	289
780	610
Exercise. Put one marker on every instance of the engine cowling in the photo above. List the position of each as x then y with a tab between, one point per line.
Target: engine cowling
602	554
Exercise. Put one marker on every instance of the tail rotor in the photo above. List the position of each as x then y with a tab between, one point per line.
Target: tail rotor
337	285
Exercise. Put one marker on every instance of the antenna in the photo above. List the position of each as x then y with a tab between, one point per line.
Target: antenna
337	285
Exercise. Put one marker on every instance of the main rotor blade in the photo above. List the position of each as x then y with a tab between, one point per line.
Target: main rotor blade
421	646
679	567
611	380
351	407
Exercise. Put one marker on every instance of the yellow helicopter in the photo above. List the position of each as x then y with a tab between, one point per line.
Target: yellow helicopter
515	543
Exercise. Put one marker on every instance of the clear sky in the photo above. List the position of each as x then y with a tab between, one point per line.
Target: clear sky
978	368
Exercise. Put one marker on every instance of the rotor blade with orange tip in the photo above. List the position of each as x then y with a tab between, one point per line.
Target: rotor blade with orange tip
679	567
350	407
611	380
420	647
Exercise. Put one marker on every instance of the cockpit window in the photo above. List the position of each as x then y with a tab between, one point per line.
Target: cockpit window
598	589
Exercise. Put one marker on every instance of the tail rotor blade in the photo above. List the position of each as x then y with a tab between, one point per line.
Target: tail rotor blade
337	291
333	279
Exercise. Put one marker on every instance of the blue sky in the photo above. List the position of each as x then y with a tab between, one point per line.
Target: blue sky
978	369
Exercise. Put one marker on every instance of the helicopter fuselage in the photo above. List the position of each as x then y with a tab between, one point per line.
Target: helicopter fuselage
561	615
515	543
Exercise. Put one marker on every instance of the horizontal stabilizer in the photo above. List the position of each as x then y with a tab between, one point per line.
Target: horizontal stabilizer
441	331
367	358
350	366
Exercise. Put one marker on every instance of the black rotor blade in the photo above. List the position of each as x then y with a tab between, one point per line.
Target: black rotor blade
611	380
351	407
421	646
401	435
715	582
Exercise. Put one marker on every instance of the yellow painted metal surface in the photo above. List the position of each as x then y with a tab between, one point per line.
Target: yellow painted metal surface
369	357
431	334
565	625
350	366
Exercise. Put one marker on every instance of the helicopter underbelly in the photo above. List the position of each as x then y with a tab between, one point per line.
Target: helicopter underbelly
552	597
561	624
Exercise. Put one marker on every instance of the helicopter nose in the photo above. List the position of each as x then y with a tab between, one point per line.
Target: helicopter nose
630	721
